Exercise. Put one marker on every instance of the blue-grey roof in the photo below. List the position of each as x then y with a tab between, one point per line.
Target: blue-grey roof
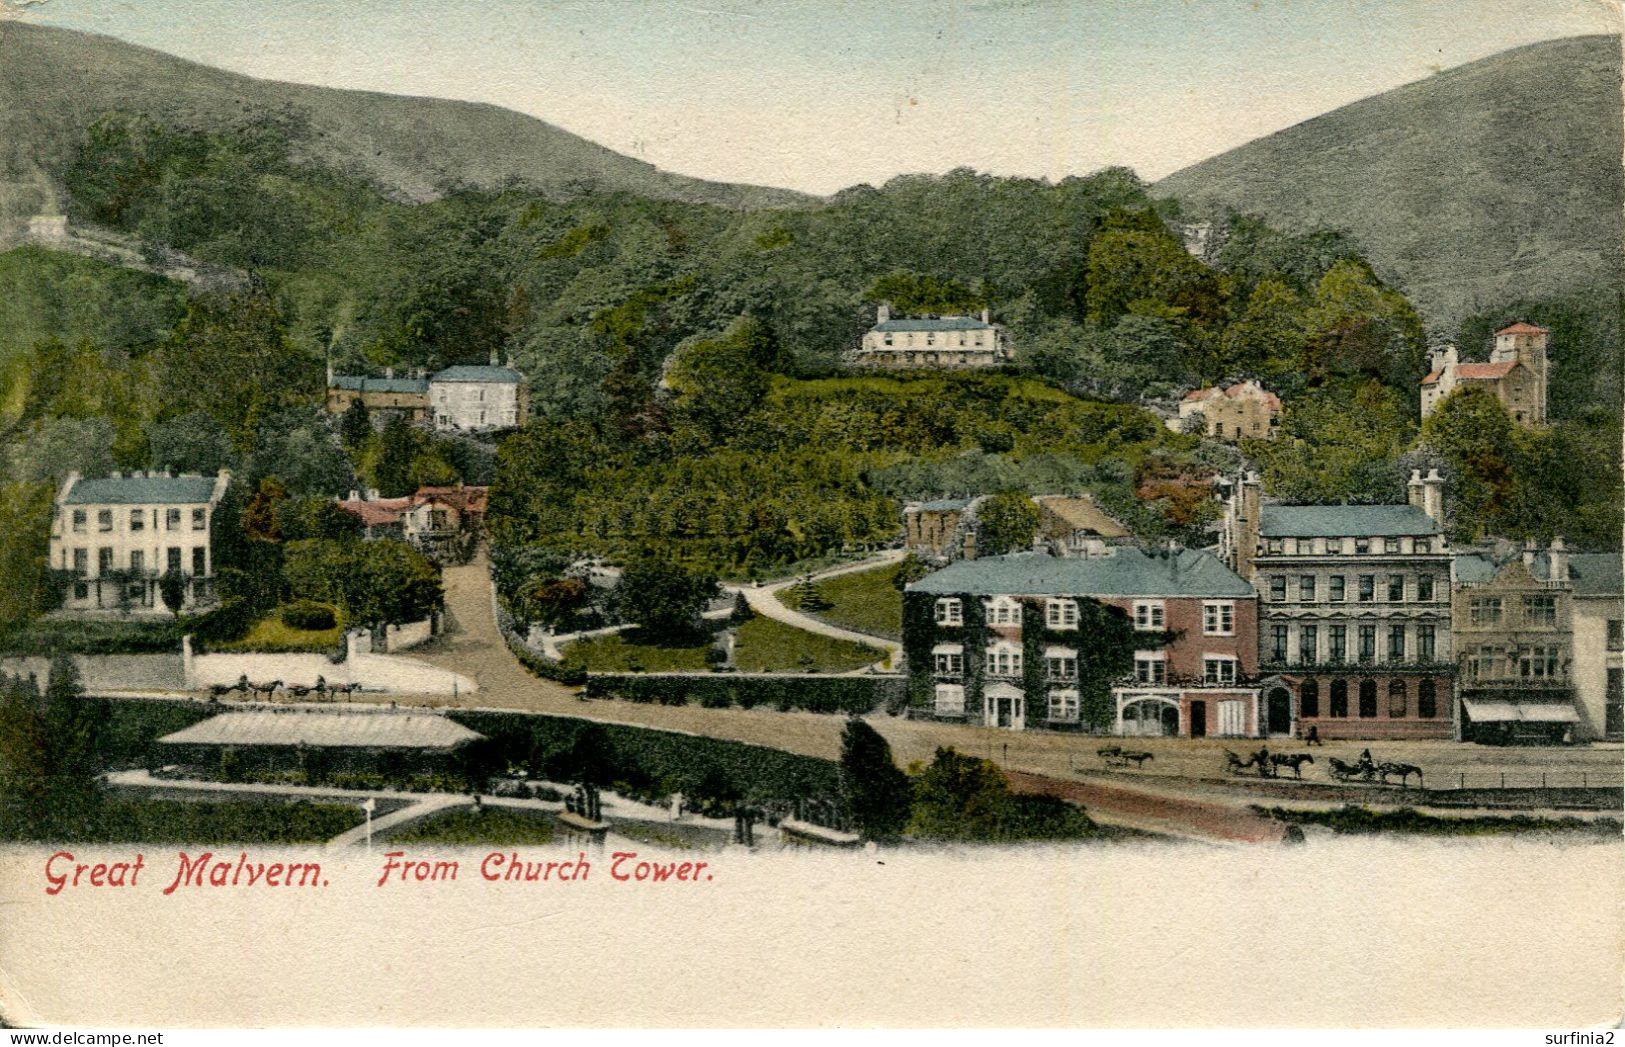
141	490
936	323
477	373
1475	568
944	505
1343	521
1593	574
1127	572
363	384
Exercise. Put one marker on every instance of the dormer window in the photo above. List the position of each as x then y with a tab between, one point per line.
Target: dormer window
1002	610
950	611
1061	614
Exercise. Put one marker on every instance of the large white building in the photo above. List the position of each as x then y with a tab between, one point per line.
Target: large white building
117	535
945	342
476	398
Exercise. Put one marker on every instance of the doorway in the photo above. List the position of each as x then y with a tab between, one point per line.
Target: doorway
1198	719
1280	711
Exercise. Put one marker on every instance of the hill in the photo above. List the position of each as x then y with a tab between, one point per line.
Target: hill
1492	182
55	82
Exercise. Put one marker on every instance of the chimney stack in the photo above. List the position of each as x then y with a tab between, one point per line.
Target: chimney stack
1248	506
987	316
1558	557
1433	496
883	312
1529	554
389	372
494	362
1413	490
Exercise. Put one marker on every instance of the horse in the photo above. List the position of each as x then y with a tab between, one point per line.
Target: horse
1235	764
1292	760
1345	771
345	689
1111	753
220	690
1138	758
1404	770
268	689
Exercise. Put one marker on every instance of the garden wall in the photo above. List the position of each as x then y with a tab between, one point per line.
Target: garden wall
110	672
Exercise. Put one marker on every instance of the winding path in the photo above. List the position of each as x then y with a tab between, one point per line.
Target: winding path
765	601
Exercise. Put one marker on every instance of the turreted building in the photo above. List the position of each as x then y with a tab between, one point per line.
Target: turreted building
1515	374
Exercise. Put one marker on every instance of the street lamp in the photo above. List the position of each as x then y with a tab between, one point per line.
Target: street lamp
369	805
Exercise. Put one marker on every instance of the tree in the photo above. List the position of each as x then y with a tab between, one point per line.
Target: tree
877	793
397	445
355	427
1479	442
311	517
192	443
1005	522
909	570
379	583
664	599
720	381
172	587
57	446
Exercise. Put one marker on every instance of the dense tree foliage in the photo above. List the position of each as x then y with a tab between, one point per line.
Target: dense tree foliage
879	797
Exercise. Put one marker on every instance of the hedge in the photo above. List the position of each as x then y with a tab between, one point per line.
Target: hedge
48	636
569	673
655	763
818	694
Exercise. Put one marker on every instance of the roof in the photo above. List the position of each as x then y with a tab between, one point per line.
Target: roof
935	323
1081	513
325	727
141	490
943	505
1124	571
1343	521
379	512
1475	568
1474	372
1593	574
364	384
467	498
1540	712
1236	392
1522	328
478	373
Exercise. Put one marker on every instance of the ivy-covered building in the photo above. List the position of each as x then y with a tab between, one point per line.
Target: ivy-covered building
1130	642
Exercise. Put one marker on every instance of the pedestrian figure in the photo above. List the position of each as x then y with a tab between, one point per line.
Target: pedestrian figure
1263	758
1313	738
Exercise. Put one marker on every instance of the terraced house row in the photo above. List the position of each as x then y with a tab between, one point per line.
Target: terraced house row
1356	621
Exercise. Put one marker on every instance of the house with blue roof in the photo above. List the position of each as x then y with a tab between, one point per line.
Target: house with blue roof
1010	641
382	397
933	342
475	398
115	537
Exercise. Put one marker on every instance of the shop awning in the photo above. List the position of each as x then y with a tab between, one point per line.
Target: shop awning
1503	712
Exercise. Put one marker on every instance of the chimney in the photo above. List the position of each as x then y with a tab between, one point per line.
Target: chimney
1529	554
372	494
987	316
1248	504
883	313
1433	496
355	496
1414	489
1558	556
494	358
389	372
115	475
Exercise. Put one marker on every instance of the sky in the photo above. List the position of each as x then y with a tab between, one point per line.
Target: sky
818	95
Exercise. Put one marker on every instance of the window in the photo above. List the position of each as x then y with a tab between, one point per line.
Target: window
1063	705
1396	643
1425	650
1272	546
1218	619
438	520
1334	587
200	561
138	519
1396	588
1368	588
172	519
104	519
949	659
1309	698
1001	610
104	560
1306	588
950	611
1397	700
200	519
1278	588
1538	662
1061	664
138	561
1390	545
1488	661
1540	610
1277	643
1147	615
1218	669
1368	643
1427	702
1003	661
79	520
1368	699
1424	587
81	562
1061	614
1334	545
172	563
1362	546
1616	634
1149	668
950	699
1338	638
1308	644
1340	698
1485	610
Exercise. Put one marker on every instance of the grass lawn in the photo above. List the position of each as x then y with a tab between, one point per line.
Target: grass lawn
863	600
768	645
272	635
1352	818
488	825
677	837
143	820
620	652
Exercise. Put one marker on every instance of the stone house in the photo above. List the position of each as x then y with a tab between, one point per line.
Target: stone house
1073	525
973	633
1245	410
443	523
1354	612
942	342
116	536
383	397
1515	374
1069	525
478	398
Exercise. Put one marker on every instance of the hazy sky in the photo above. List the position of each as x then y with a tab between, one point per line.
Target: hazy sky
821	94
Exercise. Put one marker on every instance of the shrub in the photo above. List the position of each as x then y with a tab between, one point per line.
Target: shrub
832	694
309	615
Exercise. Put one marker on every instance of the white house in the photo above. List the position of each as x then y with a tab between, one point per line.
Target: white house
117	535
476	398
945	342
